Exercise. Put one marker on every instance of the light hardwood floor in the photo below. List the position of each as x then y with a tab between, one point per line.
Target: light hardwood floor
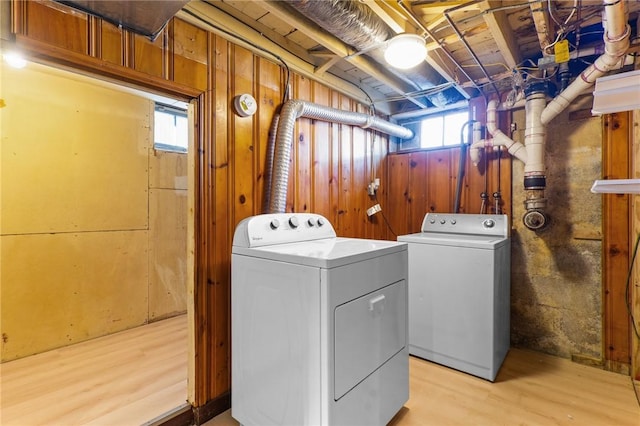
135	376
127	378
531	389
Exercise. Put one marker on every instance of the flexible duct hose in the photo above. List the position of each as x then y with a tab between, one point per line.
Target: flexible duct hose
294	109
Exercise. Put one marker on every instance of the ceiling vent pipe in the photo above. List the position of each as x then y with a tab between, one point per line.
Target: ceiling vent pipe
355	24
294	109
538	114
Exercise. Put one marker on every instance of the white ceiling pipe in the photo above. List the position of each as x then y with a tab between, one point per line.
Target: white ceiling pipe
534	135
477	144
514	148
616	43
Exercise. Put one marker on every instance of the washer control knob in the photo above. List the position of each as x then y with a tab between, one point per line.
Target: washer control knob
320	221
489	223
432	221
275	224
453	221
293	221
311	223
443	221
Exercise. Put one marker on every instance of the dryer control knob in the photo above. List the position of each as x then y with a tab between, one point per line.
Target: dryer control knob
432	221
310	222
293	221
275	224
489	223
442	221
320	221
453	221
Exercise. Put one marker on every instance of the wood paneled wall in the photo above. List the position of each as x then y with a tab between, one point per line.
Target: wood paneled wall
331	166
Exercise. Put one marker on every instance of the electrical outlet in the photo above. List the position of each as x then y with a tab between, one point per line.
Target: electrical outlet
373	187
373	210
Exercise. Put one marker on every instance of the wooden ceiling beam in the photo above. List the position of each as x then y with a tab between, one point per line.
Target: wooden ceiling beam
502	33
543	23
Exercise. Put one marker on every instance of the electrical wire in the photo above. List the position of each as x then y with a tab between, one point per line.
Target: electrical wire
375	196
628	288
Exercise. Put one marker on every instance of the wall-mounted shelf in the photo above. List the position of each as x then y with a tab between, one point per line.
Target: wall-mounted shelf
616	186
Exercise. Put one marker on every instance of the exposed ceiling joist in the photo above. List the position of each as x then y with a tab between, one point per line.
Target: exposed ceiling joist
543	23
502	33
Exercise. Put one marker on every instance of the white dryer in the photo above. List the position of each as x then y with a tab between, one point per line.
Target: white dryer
318	324
459	291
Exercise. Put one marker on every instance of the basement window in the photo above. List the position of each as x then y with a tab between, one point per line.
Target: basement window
441	130
171	128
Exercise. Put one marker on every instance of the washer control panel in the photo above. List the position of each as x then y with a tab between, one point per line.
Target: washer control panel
280	228
460	223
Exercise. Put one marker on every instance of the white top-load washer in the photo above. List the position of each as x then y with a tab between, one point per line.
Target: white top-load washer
459	291
318	324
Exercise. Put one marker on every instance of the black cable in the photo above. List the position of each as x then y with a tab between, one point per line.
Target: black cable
627	288
375	195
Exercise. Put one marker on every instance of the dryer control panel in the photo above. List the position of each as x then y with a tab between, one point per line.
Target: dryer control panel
468	224
280	228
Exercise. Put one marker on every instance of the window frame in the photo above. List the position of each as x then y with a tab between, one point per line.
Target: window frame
176	112
416	123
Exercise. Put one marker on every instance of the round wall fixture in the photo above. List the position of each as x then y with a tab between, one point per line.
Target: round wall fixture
245	105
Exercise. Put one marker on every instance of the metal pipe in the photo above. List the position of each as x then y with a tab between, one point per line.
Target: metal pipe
271	149
466	45
294	109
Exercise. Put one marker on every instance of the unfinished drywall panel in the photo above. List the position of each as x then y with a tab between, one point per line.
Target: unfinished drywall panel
167	253
167	169
74	154
556	272
59	289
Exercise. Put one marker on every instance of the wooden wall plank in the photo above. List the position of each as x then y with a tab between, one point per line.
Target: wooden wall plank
58	25
220	196
111	43
189	55
242	135
616	241
322	182
418	190
439	191
149	56
269	98
303	142
397	195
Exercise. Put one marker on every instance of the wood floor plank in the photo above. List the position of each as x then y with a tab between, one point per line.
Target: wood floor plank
531	389
135	376
123	379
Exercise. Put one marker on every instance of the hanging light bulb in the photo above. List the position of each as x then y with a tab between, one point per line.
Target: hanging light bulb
15	59
405	51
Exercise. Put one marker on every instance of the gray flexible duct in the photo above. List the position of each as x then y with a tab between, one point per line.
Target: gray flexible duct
271	148
355	24
294	109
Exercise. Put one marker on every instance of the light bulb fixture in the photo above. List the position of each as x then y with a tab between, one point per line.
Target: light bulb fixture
405	51
14	59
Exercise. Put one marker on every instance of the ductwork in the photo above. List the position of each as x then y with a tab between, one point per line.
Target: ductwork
145	17
357	25
294	109
616	39
271	149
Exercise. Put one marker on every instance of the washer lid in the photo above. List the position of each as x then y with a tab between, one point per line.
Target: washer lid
324	253
487	242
